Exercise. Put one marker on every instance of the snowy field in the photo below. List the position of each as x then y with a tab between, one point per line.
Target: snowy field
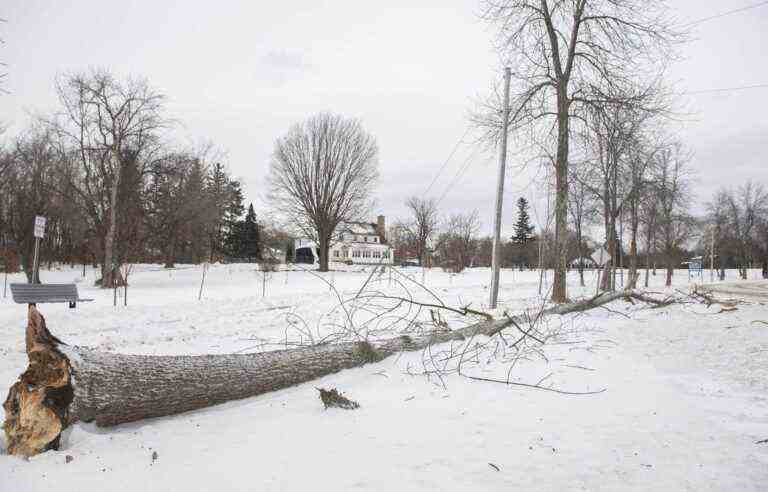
684	405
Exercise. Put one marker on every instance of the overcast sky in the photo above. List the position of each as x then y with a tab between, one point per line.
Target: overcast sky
240	73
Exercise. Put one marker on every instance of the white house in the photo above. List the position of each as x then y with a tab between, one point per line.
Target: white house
353	243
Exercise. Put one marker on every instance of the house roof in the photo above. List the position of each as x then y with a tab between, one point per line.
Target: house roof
359	228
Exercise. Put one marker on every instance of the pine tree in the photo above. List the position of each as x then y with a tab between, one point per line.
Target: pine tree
232	222
523	227
250	240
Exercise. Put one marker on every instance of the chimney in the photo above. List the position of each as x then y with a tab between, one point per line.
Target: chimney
381	228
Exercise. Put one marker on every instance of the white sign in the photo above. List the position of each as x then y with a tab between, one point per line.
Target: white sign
39	226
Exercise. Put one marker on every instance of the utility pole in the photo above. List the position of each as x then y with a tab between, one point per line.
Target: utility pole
496	251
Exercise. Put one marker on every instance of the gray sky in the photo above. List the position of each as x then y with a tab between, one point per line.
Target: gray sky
240	73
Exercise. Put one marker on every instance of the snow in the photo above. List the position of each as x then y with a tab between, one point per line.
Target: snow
684	405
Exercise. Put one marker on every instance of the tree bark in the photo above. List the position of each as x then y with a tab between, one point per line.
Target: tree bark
108	277
633	274
324	246
64	384
559	289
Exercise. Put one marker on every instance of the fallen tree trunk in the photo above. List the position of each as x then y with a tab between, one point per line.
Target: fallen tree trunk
65	384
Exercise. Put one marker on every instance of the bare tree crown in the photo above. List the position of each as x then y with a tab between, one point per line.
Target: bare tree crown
323	173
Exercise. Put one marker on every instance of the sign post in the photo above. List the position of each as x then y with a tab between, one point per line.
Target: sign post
39	234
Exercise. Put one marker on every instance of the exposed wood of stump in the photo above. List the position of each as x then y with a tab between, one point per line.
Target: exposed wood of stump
64	384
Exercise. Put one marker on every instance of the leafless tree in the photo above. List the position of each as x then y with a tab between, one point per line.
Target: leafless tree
423	224
30	188
456	245
648	218
640	162
323	173
742	210
112	125
583	211
671	191
619	144
567	56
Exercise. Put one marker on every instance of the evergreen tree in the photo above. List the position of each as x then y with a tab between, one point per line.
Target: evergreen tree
523	227
234	210
250	240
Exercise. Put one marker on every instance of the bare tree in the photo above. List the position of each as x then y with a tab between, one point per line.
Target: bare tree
423	224
569	55
112	125
323	173
637	174
619	149
743	210
456	245
675	225
30	182
649	220
583	211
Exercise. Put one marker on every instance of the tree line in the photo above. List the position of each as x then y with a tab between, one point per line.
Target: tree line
113	190
652	228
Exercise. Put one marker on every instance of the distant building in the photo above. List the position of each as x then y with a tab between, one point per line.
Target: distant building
583	262
352	243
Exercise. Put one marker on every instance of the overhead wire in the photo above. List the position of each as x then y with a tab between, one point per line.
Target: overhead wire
728	89
442	168
459	173
724	14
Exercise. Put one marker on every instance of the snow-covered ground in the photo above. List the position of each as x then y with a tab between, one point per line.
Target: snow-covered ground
685	400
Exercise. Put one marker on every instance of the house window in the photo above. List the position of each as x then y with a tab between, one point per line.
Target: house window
336	253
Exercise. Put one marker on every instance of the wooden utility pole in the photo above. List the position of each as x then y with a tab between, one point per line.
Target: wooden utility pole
496	251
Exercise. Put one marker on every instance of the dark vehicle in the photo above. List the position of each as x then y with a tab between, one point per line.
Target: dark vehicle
306	255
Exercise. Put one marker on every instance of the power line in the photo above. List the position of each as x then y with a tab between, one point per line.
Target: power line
728	89
459	173
442	168
723	14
